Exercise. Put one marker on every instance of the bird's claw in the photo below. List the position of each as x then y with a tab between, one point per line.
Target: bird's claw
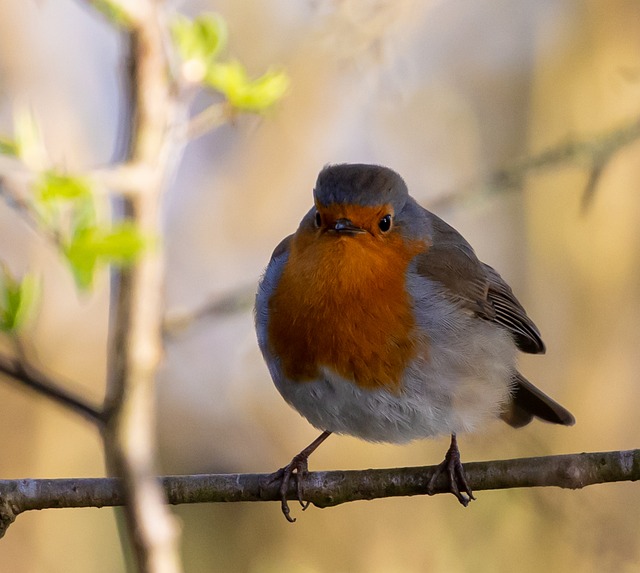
453	468
299	468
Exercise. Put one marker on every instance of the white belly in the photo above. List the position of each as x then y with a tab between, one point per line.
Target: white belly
458	388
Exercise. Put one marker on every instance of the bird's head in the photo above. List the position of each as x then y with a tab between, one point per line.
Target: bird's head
352	200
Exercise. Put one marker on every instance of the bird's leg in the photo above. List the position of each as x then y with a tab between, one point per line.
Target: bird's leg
298	467
452	466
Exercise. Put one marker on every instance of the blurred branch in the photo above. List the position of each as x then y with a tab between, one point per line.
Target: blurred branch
9	184
29	376
153	149
209	119
238	300
152	145
592	183
594	152
327	488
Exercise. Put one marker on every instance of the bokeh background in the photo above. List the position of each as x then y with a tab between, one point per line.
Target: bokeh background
445	92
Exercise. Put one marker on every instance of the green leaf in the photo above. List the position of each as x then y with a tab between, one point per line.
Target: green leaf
52	190
122	245
8	146
30	290
200	39
17	299
29	142
93	246
53	186
243	93
81	257
114	11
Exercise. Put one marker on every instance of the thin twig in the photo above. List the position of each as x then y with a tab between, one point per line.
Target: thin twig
238	300
589	151
327	488
209	119
30	377
594	152
592	185
19	203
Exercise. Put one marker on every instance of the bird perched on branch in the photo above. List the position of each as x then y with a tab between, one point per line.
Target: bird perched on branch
377	320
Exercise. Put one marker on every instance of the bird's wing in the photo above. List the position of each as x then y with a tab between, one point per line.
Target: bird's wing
510	314
475	286
478	288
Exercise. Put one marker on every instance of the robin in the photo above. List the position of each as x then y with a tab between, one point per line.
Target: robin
377	320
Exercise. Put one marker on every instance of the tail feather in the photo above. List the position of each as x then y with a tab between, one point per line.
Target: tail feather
528	401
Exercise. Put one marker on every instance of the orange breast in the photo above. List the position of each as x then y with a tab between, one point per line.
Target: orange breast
341	302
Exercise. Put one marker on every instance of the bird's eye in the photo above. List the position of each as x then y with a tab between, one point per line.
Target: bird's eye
318	219
385	223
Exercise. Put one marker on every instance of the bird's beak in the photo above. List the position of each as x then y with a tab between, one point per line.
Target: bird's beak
346	227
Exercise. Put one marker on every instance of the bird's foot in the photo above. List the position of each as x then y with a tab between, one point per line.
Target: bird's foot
453	468
297	469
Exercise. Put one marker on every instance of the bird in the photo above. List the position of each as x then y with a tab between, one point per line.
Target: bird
377	320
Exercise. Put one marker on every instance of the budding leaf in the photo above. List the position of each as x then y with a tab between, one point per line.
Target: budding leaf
17	299
122	244
55	187
201	38
231	79
82	257
114	11
93	246
29	143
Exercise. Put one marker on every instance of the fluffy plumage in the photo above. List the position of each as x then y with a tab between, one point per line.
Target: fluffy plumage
392	334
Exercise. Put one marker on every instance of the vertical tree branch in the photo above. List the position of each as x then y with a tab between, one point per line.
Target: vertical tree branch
135	330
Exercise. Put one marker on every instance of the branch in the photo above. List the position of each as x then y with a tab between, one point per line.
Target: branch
10	183
235	301
29	376
326	488
594	152
135	345
209	119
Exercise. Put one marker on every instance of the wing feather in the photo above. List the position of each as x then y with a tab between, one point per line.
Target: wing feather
475	286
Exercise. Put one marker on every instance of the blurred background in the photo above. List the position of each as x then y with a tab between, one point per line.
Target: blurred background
448	93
